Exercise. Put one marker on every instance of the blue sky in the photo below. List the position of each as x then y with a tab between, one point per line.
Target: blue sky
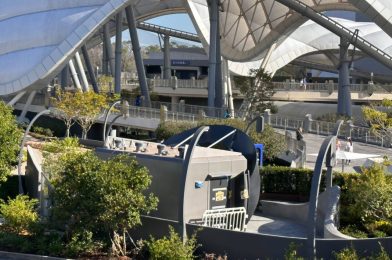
175	21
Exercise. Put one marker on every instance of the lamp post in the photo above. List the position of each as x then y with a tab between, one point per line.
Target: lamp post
45	112
124	114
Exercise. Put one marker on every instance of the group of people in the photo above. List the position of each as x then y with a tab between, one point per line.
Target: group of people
348	147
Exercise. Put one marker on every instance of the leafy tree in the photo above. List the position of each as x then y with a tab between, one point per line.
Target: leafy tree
88	106
9	141
102	196
380	118
105	83
19	214
257	89
64	101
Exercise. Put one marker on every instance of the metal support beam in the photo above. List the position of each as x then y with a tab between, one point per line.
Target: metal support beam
82	72
30	98
90	69
105	68
108	48
117	77
16	98
344	96
218	84
166	57
138	57
229	93
339	30
74	75
65	77
213	9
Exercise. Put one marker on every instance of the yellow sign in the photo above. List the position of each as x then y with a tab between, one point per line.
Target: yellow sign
219	196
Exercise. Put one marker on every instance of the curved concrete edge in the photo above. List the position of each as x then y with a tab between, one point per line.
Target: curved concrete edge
330	229
327	212
35	158
61	54
20	256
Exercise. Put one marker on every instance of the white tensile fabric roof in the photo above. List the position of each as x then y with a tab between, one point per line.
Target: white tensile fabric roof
39	38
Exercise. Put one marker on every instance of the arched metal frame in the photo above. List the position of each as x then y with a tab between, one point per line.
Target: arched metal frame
107	113
45	112
326	154
183	182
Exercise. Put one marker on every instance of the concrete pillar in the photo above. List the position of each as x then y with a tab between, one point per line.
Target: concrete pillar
105	68
81	71
74	75
344	96
65	77
267	116
90	69
230	104
174	103
308	123
136	52
30	98
108	48
181	106
163	113
213	11
166	57
117	77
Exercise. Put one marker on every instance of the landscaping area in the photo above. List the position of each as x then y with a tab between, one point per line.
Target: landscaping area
97	202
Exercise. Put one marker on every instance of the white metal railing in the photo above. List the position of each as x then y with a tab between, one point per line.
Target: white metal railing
179	83
228	218
286	123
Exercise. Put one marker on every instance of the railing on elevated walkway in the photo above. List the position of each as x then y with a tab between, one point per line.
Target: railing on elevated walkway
278	86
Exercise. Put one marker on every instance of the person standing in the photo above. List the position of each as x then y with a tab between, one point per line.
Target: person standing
299	134
349	148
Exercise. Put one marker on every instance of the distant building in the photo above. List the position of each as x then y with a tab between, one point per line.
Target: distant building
186	63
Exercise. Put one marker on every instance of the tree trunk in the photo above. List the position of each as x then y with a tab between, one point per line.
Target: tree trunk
84	134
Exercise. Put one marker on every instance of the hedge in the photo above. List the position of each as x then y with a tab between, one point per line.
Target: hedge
293	181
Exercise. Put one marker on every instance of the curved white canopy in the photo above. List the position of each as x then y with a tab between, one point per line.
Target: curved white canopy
39	38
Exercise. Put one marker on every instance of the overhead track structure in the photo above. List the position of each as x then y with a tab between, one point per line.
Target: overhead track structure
338	29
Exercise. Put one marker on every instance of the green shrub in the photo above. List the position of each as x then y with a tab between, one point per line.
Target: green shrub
168	129
82	243
42	131
61	145
171	247
347	254
291	253
19	214
370	196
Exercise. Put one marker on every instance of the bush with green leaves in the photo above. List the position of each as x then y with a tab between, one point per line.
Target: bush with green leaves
82	243
10	137
19	214
171	247
42	131
292	253
105	196
369	202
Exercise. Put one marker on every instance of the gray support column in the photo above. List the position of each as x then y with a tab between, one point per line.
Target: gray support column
138	56
81	71
74	75
65	77
218	71
105	69
108	48
166	57
229	87
30	98
213	9
117	77
90	69
344	96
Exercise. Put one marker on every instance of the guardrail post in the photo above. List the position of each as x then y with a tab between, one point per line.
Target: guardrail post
307	123
201	114
267	116
163	114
